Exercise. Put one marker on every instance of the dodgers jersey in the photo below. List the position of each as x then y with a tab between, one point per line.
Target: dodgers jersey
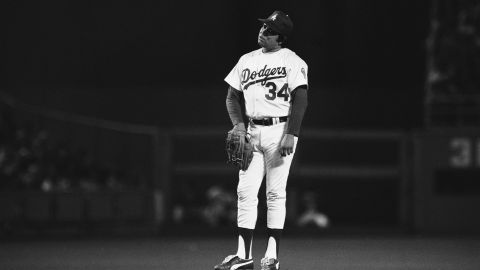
267	79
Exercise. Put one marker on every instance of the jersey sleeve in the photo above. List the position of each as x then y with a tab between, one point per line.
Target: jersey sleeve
233	78
298	74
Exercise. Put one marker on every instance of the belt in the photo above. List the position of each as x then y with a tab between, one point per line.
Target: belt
269	120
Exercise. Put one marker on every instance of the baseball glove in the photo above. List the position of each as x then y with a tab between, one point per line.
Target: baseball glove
239	149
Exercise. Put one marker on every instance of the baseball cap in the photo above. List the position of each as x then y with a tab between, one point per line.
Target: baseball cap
280	22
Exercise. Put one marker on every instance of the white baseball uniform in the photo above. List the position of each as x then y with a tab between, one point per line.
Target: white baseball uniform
266	80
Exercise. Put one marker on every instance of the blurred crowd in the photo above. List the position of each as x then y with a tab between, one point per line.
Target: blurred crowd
219	209
454	43
31	160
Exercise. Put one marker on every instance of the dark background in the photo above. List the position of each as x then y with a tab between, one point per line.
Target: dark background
159	62
110	108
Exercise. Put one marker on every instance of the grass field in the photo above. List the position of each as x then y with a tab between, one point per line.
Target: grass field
323	253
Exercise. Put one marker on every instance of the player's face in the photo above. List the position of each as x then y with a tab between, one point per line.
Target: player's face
267	38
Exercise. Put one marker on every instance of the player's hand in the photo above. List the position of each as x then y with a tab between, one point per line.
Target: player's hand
286	145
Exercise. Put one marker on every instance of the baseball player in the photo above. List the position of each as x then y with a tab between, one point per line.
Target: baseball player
273	82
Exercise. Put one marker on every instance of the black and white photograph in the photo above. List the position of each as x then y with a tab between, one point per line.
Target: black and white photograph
240	135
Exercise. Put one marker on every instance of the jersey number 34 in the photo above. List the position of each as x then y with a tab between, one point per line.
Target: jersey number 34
273	94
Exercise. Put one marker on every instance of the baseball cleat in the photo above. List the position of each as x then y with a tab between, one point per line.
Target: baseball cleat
270	264
233	262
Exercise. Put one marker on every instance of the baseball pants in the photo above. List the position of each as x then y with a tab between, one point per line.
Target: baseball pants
266	161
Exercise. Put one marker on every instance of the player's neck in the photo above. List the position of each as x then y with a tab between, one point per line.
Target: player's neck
269	50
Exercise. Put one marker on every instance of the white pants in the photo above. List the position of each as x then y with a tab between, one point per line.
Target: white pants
266	161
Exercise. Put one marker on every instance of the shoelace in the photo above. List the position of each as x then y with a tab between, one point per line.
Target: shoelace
265	262
228	258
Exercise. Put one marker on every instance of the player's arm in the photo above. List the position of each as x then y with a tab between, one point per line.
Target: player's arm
235	108
298	108
297	111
